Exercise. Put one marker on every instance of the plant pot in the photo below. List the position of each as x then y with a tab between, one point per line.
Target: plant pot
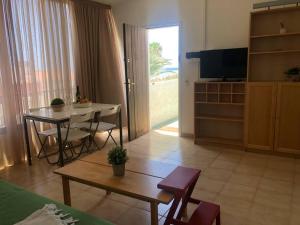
119	170
58	108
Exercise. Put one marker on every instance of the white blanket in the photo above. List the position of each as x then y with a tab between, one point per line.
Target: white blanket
48	215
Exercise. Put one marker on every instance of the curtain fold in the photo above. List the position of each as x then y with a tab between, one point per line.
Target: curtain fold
99	66
36	65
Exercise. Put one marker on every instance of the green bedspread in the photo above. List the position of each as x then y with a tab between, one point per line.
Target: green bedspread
16	204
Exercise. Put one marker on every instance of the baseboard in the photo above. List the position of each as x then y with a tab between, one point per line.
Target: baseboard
187	135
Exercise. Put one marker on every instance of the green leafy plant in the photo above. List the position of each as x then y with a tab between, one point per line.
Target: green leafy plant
57	101
293	71
157	61
117	156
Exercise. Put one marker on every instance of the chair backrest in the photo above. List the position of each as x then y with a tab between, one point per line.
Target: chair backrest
79	118
82	117
110	112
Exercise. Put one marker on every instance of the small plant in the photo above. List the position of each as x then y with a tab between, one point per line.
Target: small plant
293	71
57	101
117	156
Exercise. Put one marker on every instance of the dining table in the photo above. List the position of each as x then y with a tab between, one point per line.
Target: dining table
47	115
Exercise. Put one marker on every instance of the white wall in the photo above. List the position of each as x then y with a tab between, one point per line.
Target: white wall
225	25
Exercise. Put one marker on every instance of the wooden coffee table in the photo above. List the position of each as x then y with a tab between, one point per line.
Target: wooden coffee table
140	180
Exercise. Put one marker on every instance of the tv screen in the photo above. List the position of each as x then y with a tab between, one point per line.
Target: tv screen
224	63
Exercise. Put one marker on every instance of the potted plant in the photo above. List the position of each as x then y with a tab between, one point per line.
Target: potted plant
57	105
293	74
117	157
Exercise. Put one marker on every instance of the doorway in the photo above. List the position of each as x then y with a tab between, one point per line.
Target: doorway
163	45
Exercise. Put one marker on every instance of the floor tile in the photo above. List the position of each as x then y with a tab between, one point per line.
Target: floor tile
278	186
217	174
208	184
273	199
242	192
247	180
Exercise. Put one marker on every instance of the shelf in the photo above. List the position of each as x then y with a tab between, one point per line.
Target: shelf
229	119
226	141
220	103
274	35
275	52
221	93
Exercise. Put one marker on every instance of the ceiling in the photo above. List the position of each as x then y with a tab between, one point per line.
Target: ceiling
109	2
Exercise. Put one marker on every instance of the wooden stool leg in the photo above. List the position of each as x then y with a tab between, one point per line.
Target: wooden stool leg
184	213
154	213
218	219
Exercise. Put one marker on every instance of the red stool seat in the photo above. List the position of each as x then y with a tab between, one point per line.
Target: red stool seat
205	214
180	179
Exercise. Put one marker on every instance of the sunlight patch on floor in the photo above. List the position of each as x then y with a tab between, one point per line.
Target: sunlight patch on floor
170	129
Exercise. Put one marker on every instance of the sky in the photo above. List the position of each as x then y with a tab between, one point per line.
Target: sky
169	40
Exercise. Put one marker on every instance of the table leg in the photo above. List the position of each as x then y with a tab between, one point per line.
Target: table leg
66	191
154	213
28	152
60	146
120	127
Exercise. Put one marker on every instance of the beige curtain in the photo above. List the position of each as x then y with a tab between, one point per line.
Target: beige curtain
36	65
99	66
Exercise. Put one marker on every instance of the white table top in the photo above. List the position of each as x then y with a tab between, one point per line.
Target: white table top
47	112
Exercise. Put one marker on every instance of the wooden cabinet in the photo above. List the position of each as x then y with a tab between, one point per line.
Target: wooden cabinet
287	138
260	115
273	116
219	113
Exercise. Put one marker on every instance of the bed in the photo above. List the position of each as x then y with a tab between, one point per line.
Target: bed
16	204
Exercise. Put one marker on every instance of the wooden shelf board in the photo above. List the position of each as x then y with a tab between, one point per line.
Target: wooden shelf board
275	52
220	118
221	103
221	93
274	35
227	141
275	10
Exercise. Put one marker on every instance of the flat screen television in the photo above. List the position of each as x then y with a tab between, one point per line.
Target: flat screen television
224	63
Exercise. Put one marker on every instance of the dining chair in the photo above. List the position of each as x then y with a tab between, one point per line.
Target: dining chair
43	137
71	134
99	126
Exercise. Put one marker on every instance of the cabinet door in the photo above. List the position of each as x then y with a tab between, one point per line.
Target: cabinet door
287	137
260	115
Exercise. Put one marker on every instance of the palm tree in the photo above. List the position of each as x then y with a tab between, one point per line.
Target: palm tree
157	62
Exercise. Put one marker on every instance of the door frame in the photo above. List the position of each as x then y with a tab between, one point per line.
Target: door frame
180	81
126	81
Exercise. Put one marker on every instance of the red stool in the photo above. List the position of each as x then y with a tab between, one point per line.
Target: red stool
181	183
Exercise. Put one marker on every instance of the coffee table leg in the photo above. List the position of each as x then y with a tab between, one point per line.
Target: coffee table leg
154	213
66	191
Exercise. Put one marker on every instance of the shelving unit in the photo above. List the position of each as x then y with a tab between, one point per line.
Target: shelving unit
271	53
219	112
275	35
274	52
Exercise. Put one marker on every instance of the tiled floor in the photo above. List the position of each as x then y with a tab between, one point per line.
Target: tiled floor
252	189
